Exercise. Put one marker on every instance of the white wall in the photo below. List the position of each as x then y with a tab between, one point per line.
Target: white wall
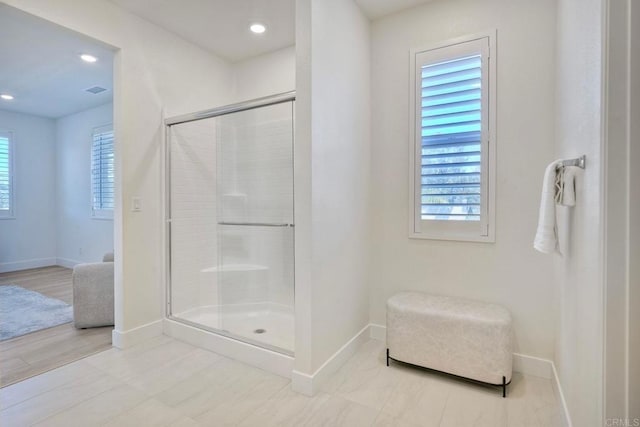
622	231
80	238
615	176
508	272
331	203
52	222
302	190
156	73
264	75
29	240
578	354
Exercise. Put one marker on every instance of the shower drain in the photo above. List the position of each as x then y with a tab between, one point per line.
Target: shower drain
259	331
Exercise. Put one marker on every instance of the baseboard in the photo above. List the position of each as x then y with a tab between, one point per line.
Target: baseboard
126	339
270	361
6	267
378	332
531	365
557	389
68	263
310	384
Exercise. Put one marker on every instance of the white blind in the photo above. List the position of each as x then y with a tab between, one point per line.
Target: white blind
102	170
451	139
5	173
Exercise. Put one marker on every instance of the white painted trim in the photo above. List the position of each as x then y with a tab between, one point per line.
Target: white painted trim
303	383
270	361
557	389
461	231
310	384
531	365
378	332
6	267
68	263
126	339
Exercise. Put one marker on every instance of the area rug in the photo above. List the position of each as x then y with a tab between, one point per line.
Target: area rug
23	311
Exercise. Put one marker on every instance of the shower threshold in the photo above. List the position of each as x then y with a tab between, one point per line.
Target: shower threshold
267	325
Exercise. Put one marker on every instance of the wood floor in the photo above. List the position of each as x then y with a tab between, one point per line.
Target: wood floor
32	354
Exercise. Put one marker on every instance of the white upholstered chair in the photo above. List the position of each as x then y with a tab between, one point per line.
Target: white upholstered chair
93	293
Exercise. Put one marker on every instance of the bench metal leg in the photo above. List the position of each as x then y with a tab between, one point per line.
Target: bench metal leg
504	379
504	387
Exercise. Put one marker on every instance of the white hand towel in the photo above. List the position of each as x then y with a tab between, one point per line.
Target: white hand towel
569	186
546	240
559	184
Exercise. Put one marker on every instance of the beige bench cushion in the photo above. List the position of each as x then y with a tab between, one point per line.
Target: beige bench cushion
454	335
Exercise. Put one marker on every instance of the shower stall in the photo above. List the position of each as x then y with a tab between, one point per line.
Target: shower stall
230	222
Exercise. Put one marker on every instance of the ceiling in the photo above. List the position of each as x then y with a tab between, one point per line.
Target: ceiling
221	26
375	9
41	67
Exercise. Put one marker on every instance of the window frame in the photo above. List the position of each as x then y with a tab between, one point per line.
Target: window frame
11	212
100	214
469	231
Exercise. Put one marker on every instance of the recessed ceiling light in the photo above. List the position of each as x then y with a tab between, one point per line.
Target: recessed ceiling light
257	28
88	58
6	96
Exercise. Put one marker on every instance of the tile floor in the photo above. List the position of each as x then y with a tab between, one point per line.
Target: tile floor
164	382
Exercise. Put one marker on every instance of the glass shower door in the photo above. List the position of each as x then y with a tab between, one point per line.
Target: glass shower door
255	224
232	231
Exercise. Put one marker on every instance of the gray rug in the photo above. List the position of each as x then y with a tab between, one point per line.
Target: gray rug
23	311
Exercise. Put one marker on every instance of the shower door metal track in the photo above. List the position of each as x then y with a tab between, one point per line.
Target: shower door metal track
240	338
233	108
258	224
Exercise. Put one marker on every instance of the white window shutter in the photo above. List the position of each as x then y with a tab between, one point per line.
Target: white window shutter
6	175
451	139
102	172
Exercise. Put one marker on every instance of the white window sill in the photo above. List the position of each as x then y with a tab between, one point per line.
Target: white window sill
453	237
102	218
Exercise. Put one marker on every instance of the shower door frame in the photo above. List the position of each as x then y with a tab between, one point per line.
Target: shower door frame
266	101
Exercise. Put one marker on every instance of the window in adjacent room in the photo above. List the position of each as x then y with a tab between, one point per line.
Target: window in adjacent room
6	175
102	172
452	141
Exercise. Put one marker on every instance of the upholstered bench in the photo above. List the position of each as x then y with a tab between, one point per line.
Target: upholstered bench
462	337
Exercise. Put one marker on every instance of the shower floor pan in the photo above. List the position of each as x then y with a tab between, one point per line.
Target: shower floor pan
265	324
